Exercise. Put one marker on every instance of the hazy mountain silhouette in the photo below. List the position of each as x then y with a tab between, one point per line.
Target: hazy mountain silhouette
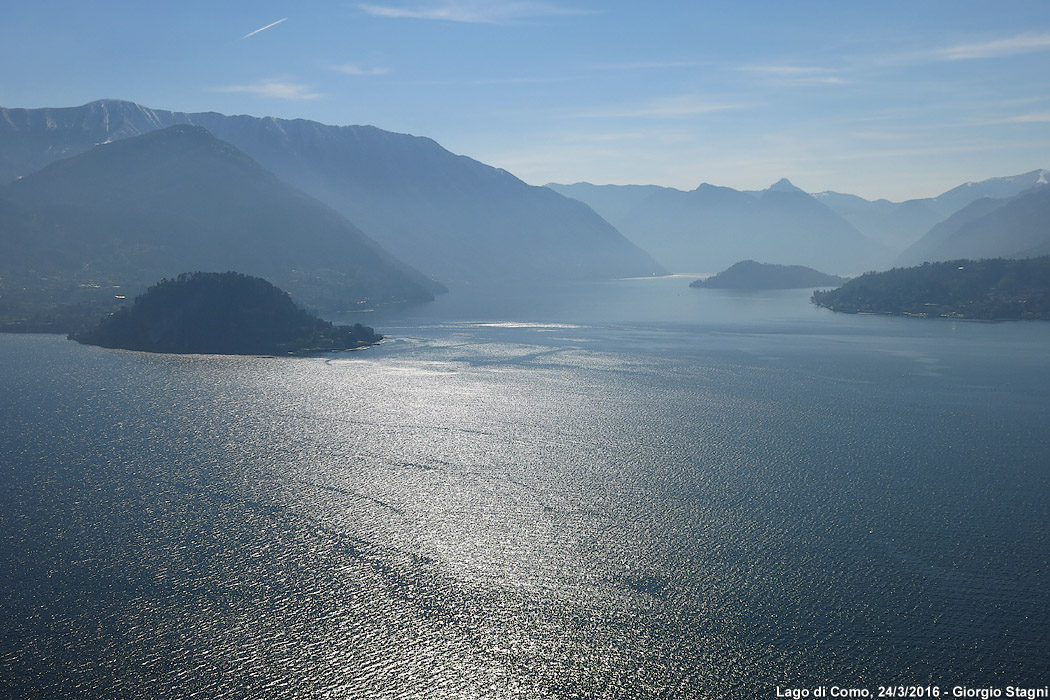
996	187
130	212
1018	227
448	215
900	224
711	227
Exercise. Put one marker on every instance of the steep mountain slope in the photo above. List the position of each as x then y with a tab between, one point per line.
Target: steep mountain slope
925	248
989	228
130	212
448	215
713	227
613	202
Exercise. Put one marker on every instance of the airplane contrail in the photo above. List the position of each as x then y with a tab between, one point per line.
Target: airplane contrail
262	28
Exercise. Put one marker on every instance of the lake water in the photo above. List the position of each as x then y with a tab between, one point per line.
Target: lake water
630	489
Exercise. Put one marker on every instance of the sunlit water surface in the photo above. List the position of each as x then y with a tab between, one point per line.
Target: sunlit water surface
625	490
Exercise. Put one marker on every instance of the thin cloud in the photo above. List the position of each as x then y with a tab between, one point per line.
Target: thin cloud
798	75
680	107
786	69
275	89
826	80
646	65
543	80
915	151
522	81
1027	118
471	11
609	137
262	29
1024	43
883	136
1036	118
354	69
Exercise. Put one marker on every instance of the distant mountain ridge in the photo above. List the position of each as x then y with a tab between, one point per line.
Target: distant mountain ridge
450	216
712	227
901	224
1018	227
678	225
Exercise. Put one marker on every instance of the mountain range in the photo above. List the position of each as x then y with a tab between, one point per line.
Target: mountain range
104	198
711	228
449	216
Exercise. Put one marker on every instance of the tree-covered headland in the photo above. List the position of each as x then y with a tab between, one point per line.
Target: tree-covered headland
221	313
997	289
748	274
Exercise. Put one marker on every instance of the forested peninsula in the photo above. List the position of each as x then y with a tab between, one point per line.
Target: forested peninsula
997	289
748	274
221	313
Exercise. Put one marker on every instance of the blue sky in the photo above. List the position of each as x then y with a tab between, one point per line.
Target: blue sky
889	99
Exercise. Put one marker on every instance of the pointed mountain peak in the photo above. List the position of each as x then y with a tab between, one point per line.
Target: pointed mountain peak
783	185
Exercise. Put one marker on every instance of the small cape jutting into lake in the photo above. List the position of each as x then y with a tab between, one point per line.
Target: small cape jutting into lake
748	274
224	314
994	290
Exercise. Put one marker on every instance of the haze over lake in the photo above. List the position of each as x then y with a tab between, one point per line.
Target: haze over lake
624	489
549	469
